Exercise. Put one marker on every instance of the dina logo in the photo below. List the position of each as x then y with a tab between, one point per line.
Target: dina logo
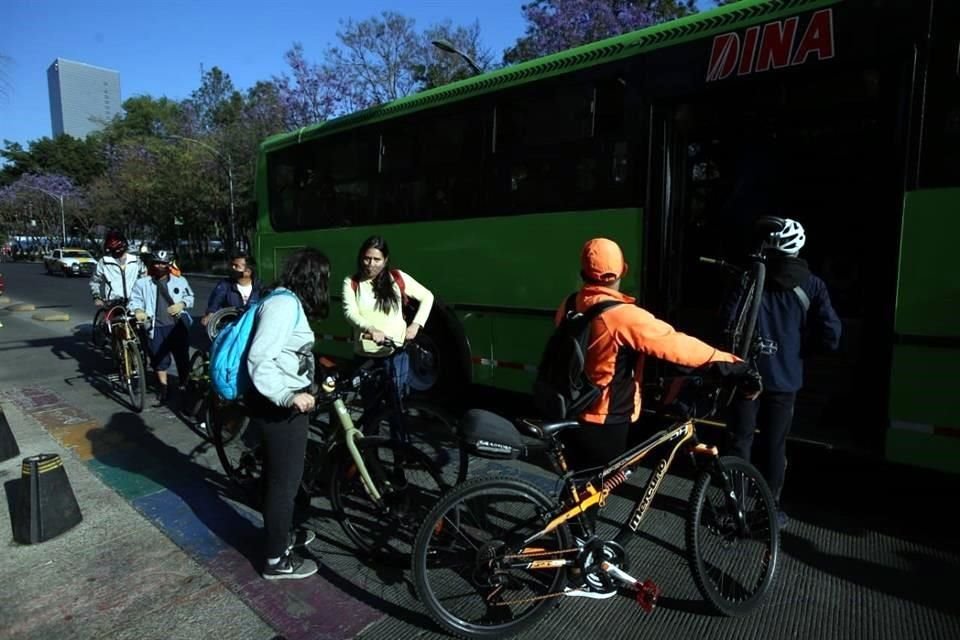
775	45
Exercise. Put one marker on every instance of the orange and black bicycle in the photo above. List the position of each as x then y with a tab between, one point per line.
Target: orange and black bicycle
495	553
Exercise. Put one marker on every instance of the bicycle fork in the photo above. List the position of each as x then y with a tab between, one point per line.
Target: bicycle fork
351	433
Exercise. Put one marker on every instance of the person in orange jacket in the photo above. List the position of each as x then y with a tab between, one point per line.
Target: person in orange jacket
620	339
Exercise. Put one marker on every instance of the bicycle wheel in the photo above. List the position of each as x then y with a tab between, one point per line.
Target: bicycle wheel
738	324
408	483
220	319
134	375
465	560
98	334
431	430
192	405
733	567
239	445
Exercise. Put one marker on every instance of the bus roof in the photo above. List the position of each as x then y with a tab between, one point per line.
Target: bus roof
693	27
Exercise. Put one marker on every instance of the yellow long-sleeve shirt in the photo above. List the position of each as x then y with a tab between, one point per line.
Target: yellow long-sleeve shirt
360	309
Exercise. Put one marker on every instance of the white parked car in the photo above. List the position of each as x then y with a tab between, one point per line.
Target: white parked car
70	262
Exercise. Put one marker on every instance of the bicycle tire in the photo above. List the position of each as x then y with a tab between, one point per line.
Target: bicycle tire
709	516
239	448
431	430
385	531
134	375
440	527
98	337
220	319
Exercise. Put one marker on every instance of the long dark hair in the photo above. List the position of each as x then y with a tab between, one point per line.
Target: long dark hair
383	291
307	274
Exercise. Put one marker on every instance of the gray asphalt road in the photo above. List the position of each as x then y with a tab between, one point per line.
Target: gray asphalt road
30	283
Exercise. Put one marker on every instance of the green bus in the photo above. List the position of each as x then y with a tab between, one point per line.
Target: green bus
843	114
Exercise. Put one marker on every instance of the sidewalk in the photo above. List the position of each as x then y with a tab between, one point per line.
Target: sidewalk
115	575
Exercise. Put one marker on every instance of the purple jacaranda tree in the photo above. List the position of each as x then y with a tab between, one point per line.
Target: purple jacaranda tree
556	25
31	205
310	93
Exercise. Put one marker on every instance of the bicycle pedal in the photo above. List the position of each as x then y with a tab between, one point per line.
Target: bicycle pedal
647	594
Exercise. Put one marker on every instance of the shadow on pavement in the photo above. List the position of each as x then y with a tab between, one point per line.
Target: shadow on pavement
127	443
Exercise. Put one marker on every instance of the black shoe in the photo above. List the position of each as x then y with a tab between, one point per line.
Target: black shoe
163	394
290	567
299	539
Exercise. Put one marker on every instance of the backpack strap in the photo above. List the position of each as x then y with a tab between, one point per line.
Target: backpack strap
398	278
594	311
803	297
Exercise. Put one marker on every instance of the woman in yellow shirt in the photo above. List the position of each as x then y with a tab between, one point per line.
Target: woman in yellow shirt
373	301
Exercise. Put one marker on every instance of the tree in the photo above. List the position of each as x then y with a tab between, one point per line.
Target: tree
79	159
310	94
556	25
30	206
377	60
215	105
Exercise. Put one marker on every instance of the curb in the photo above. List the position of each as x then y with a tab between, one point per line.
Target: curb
202	276
22	306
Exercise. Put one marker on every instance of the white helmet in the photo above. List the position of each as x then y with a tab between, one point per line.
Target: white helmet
162	255
790	239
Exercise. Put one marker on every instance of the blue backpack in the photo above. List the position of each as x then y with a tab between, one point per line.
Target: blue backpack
228	355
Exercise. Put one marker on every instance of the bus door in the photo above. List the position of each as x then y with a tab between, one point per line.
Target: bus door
823	146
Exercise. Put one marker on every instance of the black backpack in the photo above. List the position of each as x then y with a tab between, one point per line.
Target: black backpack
562	389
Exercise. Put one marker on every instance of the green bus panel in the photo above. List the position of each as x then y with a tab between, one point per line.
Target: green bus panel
928	284
502	276
925	372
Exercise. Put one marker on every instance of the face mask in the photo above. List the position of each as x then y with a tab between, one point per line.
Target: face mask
236	275
159	270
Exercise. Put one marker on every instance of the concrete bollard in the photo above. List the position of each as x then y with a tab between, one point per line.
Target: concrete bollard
46	506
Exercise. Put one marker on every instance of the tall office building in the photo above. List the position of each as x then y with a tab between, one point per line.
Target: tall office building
82	97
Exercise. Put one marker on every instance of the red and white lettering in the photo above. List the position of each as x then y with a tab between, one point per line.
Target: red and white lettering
749	51
723	57
776	44
817	39
772	46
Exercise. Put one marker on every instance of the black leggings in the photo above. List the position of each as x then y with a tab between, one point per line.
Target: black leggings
594	445
285	441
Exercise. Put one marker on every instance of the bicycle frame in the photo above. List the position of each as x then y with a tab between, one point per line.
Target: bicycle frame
596	491
350	435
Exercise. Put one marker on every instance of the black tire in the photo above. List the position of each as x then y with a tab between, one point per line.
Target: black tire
409	484
430	429
733	571
98	335
196	395
456	571
220	319
738	325
239	446
134	375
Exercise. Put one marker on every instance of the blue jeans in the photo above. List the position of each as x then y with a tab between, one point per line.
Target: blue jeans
398	385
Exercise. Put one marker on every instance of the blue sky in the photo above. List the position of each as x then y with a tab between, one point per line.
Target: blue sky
158	47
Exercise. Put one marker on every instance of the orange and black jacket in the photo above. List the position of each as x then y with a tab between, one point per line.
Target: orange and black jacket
619	339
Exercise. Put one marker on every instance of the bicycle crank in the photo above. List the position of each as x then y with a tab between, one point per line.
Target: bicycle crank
647	592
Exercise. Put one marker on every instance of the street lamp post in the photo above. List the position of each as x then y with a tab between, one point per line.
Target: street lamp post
446	45
59	198
228	161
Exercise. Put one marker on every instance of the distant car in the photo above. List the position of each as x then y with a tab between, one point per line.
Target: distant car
70	262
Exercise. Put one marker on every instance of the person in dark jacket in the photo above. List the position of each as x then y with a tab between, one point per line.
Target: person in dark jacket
796	315
240	290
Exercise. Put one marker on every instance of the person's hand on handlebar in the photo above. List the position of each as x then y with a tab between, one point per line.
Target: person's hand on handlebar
750	384
377	336
304	402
